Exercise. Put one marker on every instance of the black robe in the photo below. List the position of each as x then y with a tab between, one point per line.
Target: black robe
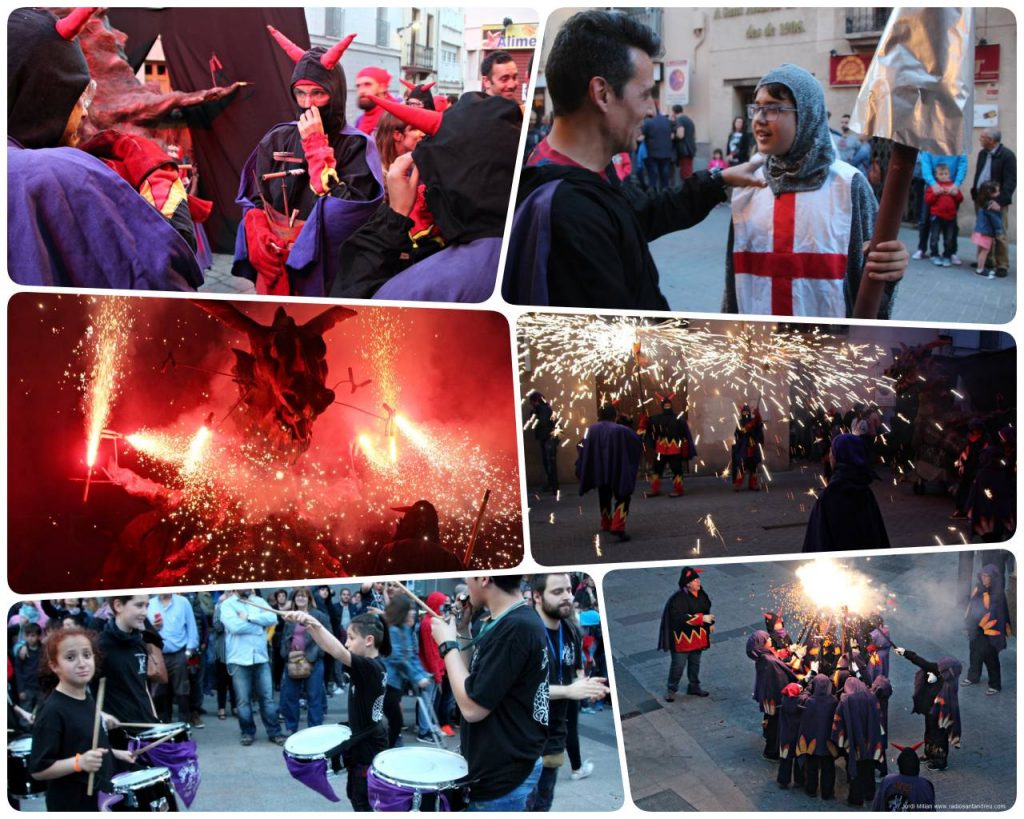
682	627
846	515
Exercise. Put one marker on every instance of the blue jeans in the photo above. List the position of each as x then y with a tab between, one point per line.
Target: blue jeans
425	695
514	800
316	698
690	661
249	679
544	793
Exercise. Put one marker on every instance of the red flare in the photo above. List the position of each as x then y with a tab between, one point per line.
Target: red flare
330	59
422	118
71	26
292	50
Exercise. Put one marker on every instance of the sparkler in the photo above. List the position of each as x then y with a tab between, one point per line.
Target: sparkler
831	586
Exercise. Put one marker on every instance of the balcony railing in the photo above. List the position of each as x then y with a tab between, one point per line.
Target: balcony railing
419	55
863	21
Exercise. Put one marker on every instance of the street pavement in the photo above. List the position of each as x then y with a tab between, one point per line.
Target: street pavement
218	279
691	264
772	521
256	779
705	753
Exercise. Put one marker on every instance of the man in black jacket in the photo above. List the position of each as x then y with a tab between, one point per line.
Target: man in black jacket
579	238
997	163
686	625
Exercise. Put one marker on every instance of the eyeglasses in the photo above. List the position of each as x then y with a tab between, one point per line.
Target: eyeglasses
769	113
88	95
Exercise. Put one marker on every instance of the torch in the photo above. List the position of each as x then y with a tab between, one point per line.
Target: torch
917	93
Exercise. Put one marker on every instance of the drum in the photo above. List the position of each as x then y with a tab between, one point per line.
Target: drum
411	779
316	743
178	732
20	784
144	791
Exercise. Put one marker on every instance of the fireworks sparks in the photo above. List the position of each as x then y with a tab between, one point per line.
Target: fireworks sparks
832	586
104	346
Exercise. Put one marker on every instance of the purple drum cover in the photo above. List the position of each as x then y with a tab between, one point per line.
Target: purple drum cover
106	801
388	798
312	774
181	759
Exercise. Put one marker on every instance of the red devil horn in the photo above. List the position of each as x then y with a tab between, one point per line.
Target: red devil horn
899	747
72	25
292	50
330	59
427	87
670	396
917	747
410	85
422	118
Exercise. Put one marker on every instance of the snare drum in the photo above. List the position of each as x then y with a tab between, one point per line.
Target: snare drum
177	731
20	784
316	743
148	790
401	778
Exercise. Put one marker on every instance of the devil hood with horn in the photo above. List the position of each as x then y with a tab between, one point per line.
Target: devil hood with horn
321	67
46	74
420	92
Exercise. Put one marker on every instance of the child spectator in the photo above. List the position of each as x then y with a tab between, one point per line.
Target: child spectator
26	666
798	246
943	200
988	227
717	160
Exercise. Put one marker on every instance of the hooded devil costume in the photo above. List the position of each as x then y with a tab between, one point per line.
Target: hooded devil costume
579	239
936	696
846	514
467	162
747	449
417	544
673	445
72	221
795	247
857	731
906	790
419	93
771	675
988	624
814	746
326	186
609	457
793	700
686	631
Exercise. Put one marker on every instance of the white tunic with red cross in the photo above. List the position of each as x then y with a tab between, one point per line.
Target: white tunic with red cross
790	251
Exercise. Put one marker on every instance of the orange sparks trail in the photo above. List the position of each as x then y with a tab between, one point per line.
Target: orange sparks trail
105	344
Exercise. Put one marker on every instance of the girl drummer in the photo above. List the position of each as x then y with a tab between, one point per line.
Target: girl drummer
367	642
62	751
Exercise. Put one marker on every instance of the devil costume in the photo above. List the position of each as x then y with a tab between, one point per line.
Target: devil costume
882	689
968	463
685	632
793	700
421	93
747	450
882	643
988	623
72	221
795	247
417	544
673	447
467	166
846	514
609	458
992	502
936	696
814	745
771	675
906	790
857	730
292	226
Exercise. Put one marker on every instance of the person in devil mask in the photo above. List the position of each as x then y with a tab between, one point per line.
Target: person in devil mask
673	447
906	790
857	731
453	189
72	221
417	544
988	624
309	184
418	95
771	675
936	697
746	452
609	457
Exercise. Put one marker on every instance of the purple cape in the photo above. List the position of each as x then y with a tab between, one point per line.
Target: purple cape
882	689
73	222
789	724
313	258
857	726
459	273
881	641
815	733
771	674
995	616
610	456
898	792
946	707
526	268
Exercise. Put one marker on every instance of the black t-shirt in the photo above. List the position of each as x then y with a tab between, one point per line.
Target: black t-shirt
561	673
509	676
366	708
63	729
123	657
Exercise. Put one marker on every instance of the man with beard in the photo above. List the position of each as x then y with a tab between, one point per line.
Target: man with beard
500	682
580	238
371	82
609	457
72	221
673	447
686	625
552	600
309	184
417	544
988	623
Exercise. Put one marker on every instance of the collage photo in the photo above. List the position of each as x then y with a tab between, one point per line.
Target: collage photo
695	328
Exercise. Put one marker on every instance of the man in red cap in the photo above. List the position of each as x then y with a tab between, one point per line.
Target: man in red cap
309	185
372	81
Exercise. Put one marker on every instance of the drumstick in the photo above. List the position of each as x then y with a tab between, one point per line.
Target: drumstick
476	529
96	729
152	745
141	724
419	602
256	606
